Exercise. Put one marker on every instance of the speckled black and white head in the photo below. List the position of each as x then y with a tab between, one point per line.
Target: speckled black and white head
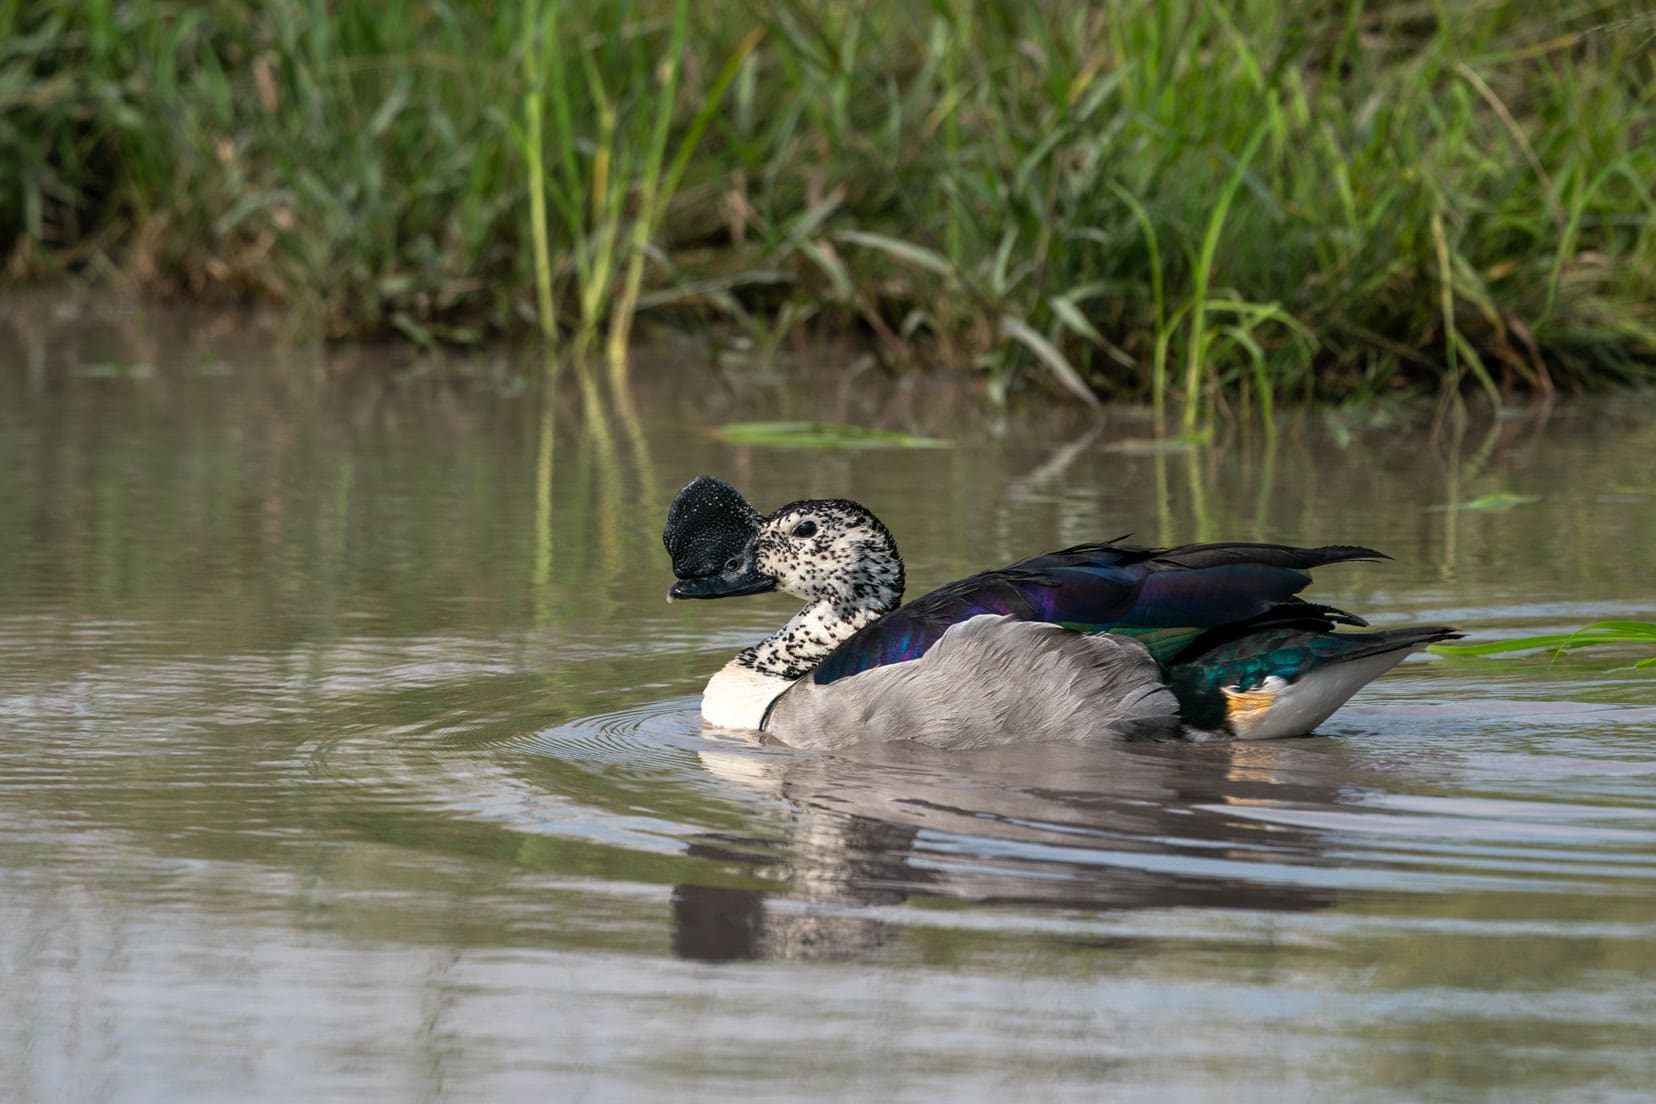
834	554
831	550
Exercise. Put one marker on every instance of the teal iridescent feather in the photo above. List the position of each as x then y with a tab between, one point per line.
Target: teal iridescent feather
1241	659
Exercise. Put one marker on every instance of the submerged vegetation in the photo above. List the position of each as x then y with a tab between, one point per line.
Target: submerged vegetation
1181	200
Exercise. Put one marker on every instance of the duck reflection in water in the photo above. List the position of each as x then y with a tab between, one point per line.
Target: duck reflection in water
1141	826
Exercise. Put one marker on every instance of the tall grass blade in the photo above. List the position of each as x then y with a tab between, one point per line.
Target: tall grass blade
1196	352
534	146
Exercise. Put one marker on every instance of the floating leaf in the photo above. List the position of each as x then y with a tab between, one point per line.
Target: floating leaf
104	369
1500	500
822	435
1149	446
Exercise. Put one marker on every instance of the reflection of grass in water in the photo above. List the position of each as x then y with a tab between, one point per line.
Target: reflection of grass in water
1599	632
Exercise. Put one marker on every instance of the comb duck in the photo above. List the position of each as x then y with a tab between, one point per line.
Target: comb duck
1097	642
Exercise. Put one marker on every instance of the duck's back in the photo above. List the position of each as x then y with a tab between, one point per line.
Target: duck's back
989	680
1165	597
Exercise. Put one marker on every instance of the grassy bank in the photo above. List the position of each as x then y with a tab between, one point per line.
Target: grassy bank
1169	199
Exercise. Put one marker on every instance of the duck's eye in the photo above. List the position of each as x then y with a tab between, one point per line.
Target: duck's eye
805	529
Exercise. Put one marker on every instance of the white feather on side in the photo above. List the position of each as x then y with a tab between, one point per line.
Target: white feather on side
1295	708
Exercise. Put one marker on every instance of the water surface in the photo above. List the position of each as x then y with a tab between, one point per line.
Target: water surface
348	751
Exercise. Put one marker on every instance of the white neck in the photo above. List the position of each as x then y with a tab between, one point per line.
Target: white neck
739	694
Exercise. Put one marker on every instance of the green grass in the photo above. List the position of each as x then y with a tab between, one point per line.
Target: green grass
1199	202
1637	633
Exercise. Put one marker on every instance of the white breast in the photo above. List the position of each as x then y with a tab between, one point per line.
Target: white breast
737	697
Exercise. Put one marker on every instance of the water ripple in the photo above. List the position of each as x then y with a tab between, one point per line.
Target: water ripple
1283	826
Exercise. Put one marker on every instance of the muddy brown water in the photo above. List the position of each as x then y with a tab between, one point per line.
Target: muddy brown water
349	751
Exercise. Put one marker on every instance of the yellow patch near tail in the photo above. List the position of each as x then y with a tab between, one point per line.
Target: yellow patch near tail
1246	708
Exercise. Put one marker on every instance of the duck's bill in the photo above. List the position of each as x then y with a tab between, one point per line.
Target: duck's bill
728	584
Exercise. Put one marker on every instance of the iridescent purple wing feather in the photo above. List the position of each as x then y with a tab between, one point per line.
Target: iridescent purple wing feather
1165	597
